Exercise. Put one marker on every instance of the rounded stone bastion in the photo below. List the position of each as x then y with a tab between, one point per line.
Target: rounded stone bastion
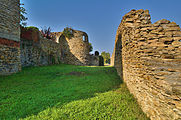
75	48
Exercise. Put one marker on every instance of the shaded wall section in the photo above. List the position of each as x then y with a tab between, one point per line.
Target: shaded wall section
150	58
38	51
9	37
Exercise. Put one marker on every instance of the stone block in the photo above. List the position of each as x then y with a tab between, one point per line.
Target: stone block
163	21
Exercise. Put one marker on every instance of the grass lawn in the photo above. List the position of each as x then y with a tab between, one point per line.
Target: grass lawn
67	92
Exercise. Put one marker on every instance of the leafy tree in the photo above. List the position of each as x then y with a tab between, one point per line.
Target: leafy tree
46	32
106	56
90	47
96	53
68	32
23	12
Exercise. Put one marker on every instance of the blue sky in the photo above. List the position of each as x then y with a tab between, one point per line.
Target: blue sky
99	18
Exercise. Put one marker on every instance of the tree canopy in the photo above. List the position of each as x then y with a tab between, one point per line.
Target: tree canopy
90	47
106	56
23	12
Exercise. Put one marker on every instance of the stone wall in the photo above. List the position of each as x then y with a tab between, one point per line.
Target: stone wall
38	51
148	57
9	37
96	60
75	50
34	50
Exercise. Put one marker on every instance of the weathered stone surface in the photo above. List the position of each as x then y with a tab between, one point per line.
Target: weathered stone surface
148	58
75	50
9	16
9	59
38	51
9	37
163	21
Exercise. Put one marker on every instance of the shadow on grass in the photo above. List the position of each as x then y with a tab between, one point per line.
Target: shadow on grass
117	104
37	88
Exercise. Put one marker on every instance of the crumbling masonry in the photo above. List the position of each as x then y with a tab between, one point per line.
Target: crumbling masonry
148	58
75	50
37	50
27	47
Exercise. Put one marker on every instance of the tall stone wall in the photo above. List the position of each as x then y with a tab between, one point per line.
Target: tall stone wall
75	50
148	57
9	37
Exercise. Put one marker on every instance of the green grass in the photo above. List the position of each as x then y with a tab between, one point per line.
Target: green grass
67	92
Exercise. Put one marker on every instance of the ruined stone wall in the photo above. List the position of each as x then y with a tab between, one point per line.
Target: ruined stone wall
56	36
31	55
75	50
9	37
148	57
94	60
38	51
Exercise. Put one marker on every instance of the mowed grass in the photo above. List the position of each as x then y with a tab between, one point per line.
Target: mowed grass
67	92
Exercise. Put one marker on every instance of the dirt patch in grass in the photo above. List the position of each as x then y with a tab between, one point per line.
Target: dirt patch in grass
74	73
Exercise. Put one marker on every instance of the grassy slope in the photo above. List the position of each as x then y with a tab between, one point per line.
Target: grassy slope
52	93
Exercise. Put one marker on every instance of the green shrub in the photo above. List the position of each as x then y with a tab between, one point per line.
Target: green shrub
96	53
90	47
106	56
68	32
32	28
46	32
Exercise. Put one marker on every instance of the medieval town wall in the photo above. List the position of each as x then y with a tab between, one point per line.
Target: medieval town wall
148	58
9	37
